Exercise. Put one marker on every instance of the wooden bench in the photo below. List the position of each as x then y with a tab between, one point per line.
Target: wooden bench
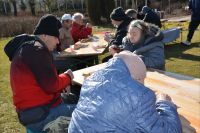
184	91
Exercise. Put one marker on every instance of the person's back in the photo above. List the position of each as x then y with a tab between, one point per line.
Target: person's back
111	101
151	16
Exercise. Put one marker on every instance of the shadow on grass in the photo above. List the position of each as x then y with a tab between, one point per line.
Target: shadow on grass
177	51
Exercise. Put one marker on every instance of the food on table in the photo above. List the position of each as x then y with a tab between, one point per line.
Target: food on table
86	40
98	46
87	74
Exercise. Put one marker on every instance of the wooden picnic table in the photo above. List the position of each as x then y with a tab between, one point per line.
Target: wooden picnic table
89	48
180	19
184	91
163	20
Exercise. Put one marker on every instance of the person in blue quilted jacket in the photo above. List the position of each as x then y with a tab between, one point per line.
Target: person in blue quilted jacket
115	100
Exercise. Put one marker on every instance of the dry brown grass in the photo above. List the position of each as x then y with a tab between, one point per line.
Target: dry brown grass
11	26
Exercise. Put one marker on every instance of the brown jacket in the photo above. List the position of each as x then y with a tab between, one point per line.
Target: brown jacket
65	38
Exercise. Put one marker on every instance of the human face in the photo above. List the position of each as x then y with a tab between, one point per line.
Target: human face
51	42
115	23
79	21
134	34
67	23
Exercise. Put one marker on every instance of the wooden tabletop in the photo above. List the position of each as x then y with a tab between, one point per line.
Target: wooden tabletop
184	90
182	19
95	46
164	20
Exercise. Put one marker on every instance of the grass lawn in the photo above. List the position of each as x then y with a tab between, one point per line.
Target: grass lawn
8	119
179	59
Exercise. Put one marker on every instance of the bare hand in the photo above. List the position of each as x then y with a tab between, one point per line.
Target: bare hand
107	38
67	90
112	50
163	97
70	73
88	25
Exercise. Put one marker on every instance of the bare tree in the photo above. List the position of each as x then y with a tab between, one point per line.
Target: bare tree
4	6
22	5
126	3
133	4
73	4
14	3
82	2
115	3
169	6
47	4
58	5
32	6
66	5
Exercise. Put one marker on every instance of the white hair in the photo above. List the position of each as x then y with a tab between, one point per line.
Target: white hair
77	16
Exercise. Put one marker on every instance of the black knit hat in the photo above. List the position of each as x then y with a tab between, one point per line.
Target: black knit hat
48	25
118	14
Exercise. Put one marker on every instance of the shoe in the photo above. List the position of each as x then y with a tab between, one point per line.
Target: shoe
186	43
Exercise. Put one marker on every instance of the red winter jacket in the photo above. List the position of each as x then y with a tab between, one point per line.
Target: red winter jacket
34	79
80	32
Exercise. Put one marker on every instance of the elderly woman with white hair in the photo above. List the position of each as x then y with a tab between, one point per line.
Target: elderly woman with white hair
114	99
79	29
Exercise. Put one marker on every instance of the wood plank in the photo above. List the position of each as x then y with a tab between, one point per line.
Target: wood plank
184	91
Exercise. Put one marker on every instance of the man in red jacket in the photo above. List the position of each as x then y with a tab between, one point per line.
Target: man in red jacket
79	30
34	81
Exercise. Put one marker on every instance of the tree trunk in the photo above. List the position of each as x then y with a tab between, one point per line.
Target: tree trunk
58	6
73	5
4	6
94	11
32	6
14	7
116	4
40	4
133	4
33	11
169	6
65	5
82	2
